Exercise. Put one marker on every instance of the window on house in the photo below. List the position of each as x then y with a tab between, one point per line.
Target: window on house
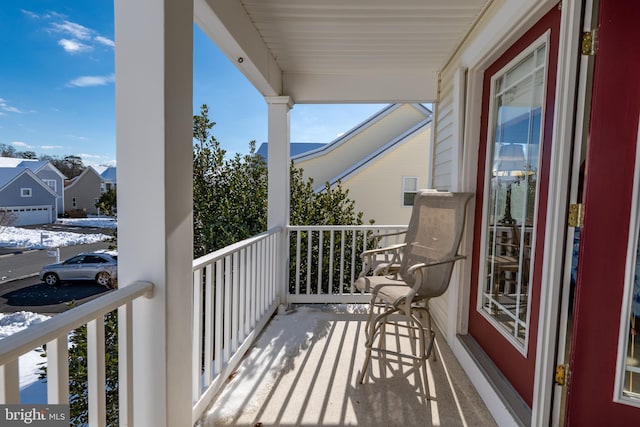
25	192
409	189
51	183
103	187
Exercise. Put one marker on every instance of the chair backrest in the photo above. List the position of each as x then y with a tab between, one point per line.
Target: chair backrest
434	234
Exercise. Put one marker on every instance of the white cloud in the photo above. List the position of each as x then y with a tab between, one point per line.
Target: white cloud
89	156
30	13
51	147
73	46
81	138
76	30
105	41
5	107
88	81
20	144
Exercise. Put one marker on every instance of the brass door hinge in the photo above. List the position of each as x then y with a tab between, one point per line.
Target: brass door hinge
589	42
576	215
562	374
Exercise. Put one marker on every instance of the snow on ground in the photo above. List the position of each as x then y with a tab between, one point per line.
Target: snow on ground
31	389
99	222
12	237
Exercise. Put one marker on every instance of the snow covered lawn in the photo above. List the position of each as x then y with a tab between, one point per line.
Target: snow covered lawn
32	390
17	237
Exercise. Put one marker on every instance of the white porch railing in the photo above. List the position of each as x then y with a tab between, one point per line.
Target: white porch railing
236	290
325	260
235	294
54	333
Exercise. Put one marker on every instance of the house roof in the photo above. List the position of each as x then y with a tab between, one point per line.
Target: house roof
12	162
378	154
87	170
34	165
361	127
8	174
341	51
109	174
295	148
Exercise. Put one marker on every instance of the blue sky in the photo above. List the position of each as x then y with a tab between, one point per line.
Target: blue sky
57	86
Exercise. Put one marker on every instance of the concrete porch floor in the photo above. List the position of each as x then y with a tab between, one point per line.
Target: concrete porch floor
303	370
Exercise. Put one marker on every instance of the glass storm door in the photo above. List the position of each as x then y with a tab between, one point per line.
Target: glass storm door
604	381
516	127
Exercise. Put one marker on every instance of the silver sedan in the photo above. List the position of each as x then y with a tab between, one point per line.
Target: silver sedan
102	267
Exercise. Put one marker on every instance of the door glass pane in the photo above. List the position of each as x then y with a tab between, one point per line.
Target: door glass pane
631	381
509	227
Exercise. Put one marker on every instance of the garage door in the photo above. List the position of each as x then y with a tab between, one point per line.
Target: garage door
30	215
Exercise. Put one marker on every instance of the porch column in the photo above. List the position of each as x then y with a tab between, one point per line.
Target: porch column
278	184
154	79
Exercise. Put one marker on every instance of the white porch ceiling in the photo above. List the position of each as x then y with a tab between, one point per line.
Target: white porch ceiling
340	50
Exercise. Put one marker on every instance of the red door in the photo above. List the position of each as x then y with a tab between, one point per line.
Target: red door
513	172
605	236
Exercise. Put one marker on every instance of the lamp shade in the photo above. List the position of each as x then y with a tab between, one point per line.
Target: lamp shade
510	161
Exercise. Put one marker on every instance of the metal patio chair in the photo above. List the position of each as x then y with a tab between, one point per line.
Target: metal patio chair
428	256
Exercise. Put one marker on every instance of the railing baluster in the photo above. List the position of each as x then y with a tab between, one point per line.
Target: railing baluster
235	307
242	326
96	372
341	260
9	383
58	371
298	244
197	336
320	255
125	365
218	316
228	269
309	252
331	253
253	295
354	249
209	354
261	275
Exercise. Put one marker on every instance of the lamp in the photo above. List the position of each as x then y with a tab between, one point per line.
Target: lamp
510	167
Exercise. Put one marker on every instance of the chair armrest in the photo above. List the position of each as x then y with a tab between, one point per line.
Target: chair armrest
423	265
377	236
391	248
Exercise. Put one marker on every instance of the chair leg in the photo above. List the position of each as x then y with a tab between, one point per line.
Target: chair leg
375	327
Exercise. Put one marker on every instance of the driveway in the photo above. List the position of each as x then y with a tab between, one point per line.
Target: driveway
32	295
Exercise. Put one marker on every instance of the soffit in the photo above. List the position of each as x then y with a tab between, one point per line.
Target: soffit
345	48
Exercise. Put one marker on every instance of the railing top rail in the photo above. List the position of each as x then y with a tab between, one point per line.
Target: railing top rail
221	253
24	341
345	227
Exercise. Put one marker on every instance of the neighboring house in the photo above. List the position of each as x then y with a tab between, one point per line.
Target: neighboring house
26	196
44	170
83	192
108	175
51	176
377	162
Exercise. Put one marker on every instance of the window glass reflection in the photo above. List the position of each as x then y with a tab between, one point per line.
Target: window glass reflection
509	227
